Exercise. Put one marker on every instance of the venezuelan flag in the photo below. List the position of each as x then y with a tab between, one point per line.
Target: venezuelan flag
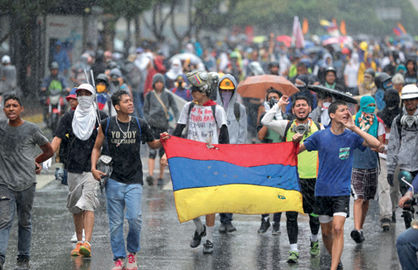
231	178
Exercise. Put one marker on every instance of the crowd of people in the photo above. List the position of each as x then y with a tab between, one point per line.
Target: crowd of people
356	150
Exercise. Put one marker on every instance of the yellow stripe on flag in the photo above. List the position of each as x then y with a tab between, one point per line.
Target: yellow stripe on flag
235	198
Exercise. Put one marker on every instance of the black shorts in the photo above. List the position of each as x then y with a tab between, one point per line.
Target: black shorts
307	187
328	206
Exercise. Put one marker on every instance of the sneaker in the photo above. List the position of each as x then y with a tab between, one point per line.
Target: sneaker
118	265
22	263
208	247
356	236
160	182
314	248
385	224
265	225
362	237
340	266
197	237
393	217
150	180
76	250
276	228
222	228
74	237
131	264
293	257
85	249
230	228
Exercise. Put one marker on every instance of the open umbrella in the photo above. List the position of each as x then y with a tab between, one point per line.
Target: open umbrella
287	40
257	86
335	93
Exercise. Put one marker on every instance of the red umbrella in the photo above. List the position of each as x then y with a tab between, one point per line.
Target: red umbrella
287	40
257	86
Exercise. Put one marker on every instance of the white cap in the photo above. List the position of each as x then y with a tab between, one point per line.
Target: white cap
5	59
409	91
86	86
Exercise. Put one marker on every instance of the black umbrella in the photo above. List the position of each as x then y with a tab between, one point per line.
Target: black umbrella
335	93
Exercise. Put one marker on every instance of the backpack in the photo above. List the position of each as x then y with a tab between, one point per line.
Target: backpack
237	111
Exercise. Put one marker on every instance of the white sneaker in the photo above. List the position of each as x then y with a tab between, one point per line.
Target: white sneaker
74	237
131	263
118	265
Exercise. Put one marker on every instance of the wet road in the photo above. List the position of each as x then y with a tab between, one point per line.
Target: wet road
165	242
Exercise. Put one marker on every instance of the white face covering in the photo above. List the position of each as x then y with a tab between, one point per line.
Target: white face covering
84	118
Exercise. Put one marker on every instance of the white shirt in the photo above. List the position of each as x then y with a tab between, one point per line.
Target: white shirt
201	122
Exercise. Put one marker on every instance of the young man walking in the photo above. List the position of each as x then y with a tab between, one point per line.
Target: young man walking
157	104
365	166
18	164
307	167
206	122
123	135
80	126
335	147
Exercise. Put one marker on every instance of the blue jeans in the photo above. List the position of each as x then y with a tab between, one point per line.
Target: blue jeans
10	202
407	247
119	197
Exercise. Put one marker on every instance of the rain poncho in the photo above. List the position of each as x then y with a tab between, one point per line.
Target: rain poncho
237	128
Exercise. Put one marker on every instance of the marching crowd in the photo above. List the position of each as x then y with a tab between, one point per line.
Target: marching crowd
352	150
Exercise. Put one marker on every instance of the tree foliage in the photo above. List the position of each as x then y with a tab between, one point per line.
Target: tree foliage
360	15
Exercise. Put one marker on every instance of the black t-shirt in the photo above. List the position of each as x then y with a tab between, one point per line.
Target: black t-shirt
125	153
78	152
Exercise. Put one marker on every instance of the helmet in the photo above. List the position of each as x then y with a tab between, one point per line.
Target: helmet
227	84
203	81
5	59
409	91
331	69
54	65
406	176
383	81
86	86
102	78
370	71
115	73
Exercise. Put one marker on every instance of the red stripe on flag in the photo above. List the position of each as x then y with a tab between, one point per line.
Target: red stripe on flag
247	155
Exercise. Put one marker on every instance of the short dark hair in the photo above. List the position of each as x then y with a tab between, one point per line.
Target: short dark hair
272	90
301	97
14	97
334	106
117	96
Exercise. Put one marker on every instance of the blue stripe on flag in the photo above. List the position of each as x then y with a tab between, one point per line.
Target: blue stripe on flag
189	173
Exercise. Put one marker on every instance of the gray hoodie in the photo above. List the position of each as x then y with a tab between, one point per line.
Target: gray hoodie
154	112
237	129
402	151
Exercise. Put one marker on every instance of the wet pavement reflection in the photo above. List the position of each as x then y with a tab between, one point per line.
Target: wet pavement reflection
165	242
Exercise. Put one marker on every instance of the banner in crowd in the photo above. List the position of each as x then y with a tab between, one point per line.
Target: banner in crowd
231	178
